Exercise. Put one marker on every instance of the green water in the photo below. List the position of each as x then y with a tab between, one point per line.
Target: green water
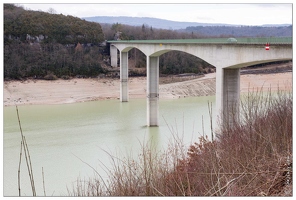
62	138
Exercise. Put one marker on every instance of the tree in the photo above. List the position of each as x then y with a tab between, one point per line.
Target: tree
52	11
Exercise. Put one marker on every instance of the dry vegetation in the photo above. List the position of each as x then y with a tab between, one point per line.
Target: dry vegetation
251	158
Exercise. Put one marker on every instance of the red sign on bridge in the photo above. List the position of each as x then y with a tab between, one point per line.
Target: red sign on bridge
267	46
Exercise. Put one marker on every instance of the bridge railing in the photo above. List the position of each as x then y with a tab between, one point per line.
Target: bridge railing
271	40
261	40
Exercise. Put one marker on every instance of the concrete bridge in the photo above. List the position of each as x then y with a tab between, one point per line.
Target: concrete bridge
228	56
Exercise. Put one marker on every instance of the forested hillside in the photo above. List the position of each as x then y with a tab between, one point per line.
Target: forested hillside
43	45
21	24
241	31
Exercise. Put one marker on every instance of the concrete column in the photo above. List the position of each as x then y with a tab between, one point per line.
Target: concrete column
152	90
113	55
231	96
219	91
124	76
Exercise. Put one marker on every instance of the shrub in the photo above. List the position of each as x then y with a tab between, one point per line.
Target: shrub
50	76
65	77
250	158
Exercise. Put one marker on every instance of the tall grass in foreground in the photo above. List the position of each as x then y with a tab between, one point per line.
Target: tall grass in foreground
251	158
24	147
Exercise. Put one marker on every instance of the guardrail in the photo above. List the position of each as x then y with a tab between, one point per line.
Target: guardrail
262	40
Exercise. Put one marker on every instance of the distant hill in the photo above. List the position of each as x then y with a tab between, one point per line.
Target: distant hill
161	23
154	22
241	31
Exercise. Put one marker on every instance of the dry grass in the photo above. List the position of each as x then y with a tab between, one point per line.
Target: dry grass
24	147
253	157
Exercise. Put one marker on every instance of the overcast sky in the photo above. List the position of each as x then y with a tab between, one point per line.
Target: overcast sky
245	14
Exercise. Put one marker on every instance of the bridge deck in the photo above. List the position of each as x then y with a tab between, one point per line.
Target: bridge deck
270	40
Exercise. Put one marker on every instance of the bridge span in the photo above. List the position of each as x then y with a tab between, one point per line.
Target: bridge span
228	56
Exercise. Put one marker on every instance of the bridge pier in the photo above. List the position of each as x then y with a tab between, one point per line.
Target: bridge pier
113	55
228	95
124	76
152	90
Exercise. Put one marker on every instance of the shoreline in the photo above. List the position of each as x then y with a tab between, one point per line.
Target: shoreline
42	92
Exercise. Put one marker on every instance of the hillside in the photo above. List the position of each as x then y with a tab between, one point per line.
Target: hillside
241	31
25	25
202	29
151	22
49	46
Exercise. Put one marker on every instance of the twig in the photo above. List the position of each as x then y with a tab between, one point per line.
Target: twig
240	173
211	118
43	182
151	185
94	171
19	170
203	130
226	185
31	170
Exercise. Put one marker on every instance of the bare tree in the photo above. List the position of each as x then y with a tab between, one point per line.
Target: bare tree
52	11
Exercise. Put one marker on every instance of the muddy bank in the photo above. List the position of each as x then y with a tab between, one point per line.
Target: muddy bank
80	90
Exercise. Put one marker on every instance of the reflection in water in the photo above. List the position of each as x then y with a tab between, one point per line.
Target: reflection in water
154	137
62	138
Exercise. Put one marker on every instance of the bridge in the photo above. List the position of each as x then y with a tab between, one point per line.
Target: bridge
227	55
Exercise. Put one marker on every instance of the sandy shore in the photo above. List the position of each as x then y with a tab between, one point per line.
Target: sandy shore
80	90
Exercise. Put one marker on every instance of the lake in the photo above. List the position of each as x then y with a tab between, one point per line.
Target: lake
63	138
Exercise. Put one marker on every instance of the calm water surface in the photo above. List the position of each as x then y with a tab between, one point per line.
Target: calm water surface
62	138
